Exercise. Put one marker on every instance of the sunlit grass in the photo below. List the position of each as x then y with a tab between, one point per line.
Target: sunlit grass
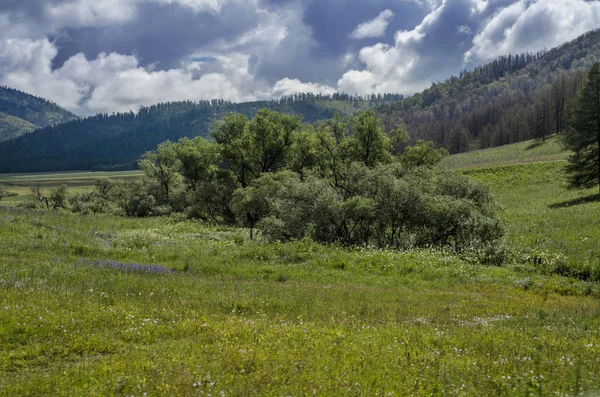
101	305
533	151
246	317
546	219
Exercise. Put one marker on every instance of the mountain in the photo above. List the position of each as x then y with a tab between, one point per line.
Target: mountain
21	113
514	98
115	142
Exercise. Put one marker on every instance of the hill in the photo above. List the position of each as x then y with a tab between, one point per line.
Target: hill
21	113
115	142
514	98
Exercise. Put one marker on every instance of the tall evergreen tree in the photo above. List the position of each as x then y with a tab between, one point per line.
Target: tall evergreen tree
584	136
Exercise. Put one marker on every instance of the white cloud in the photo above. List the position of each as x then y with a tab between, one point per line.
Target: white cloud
531	26
197	5
390	68
89	12
465	29
290	86
114	82
373	28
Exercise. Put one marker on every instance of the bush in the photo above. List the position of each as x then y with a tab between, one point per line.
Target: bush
379	208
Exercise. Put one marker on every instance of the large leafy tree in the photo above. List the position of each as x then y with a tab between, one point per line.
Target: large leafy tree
162	167
250	148
583	137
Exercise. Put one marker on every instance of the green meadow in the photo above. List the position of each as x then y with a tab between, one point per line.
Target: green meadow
102	305
518	153
19	185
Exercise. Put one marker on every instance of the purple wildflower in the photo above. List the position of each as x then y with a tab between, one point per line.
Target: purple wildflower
126	267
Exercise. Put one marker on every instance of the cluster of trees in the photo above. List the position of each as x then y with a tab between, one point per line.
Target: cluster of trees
343	181
114	142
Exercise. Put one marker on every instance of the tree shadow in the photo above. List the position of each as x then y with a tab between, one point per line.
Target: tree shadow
578	201
536	144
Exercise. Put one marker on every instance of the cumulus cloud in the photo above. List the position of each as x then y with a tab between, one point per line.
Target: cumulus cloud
290	86
390	68
374	28
115	55
115	82
526	26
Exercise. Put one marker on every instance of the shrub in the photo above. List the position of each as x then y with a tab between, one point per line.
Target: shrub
58	197
381	208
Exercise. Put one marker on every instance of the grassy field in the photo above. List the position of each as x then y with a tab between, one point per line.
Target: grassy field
99	305
21	184
561	227
517	153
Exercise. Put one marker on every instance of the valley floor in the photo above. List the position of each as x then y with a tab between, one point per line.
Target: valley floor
83	311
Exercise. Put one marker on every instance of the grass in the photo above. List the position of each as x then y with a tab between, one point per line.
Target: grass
557	226
517	153
21	184
88	306
243	317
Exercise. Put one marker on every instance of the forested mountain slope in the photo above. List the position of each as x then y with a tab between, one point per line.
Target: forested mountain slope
514	98
115	142
21	113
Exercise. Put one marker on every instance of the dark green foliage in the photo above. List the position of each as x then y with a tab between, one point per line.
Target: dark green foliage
389	207
251	204
161	166
197	160
422	154
584	136
252	147
115	142
369	145
21	113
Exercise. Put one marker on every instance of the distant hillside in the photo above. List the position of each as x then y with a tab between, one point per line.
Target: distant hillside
514	98
115	142
21	113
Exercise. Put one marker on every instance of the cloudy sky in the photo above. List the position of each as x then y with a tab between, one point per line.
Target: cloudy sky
115	55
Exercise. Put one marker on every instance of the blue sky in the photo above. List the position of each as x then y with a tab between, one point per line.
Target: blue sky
116	55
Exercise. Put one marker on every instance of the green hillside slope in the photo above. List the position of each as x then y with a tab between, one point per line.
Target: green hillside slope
21	113
549	226
532	151
12	127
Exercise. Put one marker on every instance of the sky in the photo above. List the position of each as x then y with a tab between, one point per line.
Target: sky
93	56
